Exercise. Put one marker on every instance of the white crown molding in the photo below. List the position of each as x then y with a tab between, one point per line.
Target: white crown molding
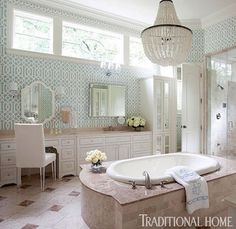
93	13
219	16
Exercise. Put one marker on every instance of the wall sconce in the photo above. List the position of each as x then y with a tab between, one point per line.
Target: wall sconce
110	67
60	92
13	89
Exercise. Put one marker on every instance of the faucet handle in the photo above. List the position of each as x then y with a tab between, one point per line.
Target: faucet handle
133	183
163	182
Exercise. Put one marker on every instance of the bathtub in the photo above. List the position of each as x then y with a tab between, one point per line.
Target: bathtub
156	165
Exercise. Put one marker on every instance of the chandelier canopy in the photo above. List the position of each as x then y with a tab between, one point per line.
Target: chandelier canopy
167	42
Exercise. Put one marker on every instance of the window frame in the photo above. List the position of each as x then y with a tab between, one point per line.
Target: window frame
96	30
11	28
57	39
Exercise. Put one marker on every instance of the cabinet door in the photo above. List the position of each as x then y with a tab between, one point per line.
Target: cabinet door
159	105
158	144
124	151
111	152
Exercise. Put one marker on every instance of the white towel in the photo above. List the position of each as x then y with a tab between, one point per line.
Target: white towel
195	186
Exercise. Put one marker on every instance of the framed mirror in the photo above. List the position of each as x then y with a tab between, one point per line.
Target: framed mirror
107	100
37	103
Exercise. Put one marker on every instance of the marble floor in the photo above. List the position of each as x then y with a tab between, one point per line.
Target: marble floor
58	207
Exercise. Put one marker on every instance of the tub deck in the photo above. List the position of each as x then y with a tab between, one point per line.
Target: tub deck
108	204
124	194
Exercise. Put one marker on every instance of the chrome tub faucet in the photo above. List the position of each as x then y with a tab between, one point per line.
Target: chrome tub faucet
148	183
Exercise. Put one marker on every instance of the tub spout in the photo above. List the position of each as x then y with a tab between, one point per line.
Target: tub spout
148	183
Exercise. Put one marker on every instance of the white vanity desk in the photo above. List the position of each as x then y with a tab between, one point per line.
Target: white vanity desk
72	146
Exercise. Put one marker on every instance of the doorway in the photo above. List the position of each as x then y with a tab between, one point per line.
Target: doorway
188	119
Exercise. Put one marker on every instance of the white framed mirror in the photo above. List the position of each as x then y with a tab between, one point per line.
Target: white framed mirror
37	103
107	100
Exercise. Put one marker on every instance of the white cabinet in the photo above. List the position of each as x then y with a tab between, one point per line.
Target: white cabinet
158	107
67	156
7	162
118	147
66	148
72	151
142	144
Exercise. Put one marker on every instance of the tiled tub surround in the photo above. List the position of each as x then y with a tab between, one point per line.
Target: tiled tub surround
121	205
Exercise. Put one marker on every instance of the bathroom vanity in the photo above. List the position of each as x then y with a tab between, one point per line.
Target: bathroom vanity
72	146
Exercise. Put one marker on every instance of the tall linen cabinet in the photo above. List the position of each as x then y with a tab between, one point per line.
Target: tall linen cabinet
158	107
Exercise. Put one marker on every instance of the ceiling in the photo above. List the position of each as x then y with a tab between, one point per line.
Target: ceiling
145	10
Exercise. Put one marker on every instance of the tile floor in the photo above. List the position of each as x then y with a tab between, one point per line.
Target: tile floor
58	207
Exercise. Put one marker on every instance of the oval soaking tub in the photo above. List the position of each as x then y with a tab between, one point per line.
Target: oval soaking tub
156	165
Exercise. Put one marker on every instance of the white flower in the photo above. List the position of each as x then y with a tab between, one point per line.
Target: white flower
95	160
136	121
95	155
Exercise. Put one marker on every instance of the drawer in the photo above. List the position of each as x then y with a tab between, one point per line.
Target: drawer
8	159
8	146
118	139
91	141
53	143
67	142
8	174
142	138
142	146
67	154
67	166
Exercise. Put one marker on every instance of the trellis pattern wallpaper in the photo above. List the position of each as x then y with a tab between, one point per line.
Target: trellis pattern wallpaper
220	36
73	76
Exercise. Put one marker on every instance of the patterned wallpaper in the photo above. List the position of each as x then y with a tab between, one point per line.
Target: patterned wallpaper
197	52
220	36
73	76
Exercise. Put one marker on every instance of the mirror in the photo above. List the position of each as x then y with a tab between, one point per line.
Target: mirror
37	103
107	100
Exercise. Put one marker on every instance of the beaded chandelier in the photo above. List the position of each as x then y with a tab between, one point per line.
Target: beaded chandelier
167	42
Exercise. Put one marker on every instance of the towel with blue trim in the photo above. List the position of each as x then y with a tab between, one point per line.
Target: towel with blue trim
195	187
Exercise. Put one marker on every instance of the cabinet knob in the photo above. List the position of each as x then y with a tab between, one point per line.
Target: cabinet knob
184	127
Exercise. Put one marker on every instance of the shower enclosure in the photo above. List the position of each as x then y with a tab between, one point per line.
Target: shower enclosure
221	78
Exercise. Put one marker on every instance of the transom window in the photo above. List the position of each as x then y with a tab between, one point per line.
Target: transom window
32	32
136	53
90	43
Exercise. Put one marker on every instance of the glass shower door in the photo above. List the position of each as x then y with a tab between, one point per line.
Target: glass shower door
231	118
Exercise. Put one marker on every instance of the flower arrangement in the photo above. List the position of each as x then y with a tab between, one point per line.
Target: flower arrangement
136	122
96	157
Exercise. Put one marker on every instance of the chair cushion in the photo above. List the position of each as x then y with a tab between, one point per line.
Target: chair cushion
49	158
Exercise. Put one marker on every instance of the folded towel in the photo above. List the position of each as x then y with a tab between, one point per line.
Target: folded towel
195	187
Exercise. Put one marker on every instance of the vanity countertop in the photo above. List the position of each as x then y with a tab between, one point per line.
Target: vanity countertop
124	194
9	134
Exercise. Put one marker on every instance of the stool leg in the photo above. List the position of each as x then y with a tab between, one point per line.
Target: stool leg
18	179
55	169
41	178
52	164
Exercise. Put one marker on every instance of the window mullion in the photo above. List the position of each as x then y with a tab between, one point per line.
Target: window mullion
126	51
57	36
